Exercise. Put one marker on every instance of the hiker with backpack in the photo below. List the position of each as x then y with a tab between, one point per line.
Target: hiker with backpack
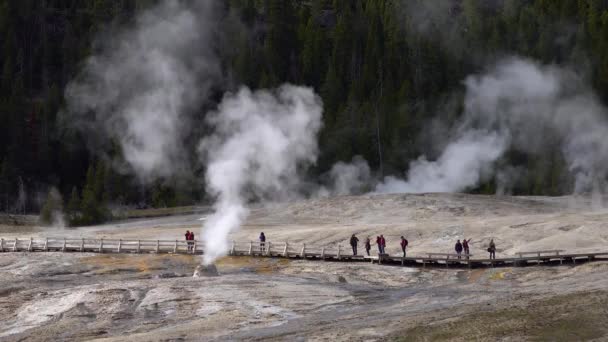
492	249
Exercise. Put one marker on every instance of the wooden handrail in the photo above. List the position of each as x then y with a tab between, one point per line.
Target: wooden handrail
274	248
547	251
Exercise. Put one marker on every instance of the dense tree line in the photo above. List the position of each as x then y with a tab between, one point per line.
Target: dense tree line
384	68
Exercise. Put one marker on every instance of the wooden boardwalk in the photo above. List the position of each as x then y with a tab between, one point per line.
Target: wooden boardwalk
289	250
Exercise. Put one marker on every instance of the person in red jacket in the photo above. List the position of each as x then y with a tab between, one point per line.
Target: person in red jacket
379	243
383	243
404	243
465	246
191	243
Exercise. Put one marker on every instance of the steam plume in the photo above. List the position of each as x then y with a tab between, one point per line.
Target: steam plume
462	164
259	142
522	105
139	86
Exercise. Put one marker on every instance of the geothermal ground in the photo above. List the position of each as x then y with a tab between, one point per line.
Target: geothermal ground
72	296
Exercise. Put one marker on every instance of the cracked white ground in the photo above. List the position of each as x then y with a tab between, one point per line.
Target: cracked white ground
73	296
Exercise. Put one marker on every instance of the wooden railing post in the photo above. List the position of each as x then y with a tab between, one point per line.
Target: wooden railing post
157	246
233	248
194	247
1	245
285	249
175	247
138	246
64	245
46	244
339	250
119	245
268	250
250	247
29	247
15	245
82	245
101	245
303	253
323	253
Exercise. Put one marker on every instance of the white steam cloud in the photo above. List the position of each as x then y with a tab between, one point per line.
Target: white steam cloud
138	88
522	105
462	164
347	178
544	108
261	140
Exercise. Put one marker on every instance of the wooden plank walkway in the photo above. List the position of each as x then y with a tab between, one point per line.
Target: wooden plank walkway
289	250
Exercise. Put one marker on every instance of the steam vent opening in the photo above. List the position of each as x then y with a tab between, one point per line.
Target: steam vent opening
206	271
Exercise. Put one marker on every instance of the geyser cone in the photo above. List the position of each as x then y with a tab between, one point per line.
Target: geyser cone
206	271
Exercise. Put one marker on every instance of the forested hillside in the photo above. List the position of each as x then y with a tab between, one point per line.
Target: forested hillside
387	72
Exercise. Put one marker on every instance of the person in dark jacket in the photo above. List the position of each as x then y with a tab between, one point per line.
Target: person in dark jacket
379	243
353	243
458	248
262	242
404	244
368	245
492	249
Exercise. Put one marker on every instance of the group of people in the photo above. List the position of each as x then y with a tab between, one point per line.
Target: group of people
460	247
380	241
190	239
464	247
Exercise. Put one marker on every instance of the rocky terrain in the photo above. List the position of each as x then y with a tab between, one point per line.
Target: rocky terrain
72	296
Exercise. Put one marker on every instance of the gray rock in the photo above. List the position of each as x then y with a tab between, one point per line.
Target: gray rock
206	271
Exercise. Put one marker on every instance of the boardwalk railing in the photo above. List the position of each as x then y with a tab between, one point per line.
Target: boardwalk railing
285	250
539	253
100	245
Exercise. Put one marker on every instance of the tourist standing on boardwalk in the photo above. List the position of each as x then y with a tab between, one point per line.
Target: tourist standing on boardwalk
262	242
188	238
383	244
492	249
368	245
191	242
404	243
353	243
465	246
458	248
379	243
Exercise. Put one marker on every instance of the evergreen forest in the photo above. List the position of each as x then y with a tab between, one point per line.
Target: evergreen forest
385	70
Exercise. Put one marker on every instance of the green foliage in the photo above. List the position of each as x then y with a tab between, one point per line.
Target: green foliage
93	209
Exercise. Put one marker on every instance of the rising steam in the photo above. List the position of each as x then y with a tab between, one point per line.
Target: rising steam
462	164
522	105
260	141
140	84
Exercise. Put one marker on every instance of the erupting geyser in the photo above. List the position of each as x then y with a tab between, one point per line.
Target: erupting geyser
261	141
